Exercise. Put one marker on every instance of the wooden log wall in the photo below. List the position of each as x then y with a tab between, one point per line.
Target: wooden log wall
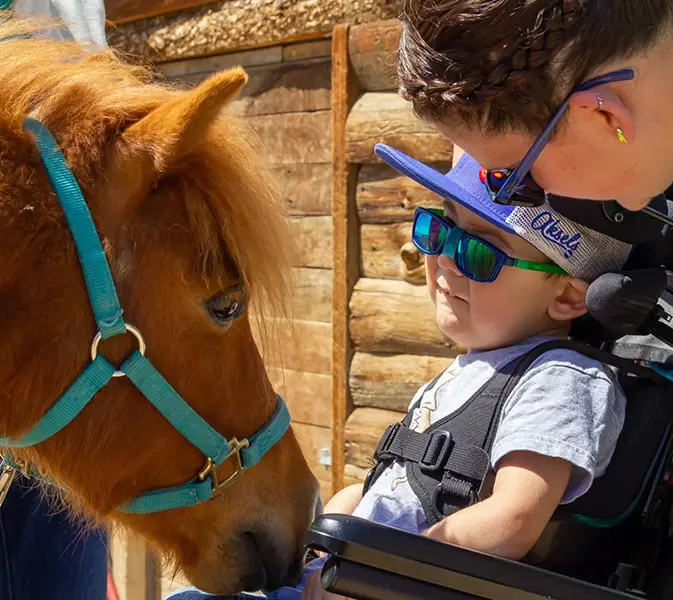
395	345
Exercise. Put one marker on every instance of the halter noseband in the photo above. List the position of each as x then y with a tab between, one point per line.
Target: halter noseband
245	453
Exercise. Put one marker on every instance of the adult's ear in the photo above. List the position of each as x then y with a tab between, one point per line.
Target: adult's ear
570	301
161	142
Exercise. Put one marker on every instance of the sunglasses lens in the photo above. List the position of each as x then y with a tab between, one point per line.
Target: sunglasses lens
528	191
476	259
429	233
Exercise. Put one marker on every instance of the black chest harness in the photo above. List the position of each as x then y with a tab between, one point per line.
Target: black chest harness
448	466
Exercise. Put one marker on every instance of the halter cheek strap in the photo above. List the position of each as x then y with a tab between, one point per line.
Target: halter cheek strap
216	449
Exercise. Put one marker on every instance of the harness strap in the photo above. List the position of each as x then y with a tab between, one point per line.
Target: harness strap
99	283
175	410
97	374
433	451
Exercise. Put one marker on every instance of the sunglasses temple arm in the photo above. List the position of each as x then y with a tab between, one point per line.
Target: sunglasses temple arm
537	266
514	180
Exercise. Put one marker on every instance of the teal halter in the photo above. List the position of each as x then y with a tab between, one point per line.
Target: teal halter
245	453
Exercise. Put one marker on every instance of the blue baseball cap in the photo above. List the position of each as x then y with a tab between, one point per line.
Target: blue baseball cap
581	251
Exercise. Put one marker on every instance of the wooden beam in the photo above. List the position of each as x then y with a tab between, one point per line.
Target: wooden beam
345	240
294	87
312	295
121	11
306	189
300	346
313	240
390	381
385	117
386	196
309	133
135	570
373	53
396	317
308	395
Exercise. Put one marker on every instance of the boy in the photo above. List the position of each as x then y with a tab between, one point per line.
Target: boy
503	280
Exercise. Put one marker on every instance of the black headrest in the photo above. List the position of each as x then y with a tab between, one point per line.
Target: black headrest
610	218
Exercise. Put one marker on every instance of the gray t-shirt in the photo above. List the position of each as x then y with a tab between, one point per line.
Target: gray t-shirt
566	406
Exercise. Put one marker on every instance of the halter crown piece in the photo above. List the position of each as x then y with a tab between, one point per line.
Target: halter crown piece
216	449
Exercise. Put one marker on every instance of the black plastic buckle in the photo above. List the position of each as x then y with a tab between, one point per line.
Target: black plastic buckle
442	456
381	452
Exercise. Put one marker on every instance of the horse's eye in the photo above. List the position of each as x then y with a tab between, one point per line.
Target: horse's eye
227	305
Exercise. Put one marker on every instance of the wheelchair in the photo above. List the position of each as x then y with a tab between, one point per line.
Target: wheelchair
614	543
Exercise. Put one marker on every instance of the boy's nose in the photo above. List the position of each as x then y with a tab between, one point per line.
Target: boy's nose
446	263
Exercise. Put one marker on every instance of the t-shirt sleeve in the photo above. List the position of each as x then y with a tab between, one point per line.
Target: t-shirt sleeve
565	407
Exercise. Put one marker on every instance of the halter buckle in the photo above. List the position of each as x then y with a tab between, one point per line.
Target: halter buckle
209	467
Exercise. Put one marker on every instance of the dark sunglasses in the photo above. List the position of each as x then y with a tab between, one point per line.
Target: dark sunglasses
433	234
517	186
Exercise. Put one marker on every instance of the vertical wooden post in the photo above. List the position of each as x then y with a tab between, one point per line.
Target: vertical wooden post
345	90
134	569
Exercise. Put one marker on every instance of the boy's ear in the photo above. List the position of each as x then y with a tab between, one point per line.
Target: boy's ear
570	302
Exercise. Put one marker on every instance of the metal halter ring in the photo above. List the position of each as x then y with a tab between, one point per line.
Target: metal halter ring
130	329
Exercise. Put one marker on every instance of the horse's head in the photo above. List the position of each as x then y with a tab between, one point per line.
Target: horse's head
191	230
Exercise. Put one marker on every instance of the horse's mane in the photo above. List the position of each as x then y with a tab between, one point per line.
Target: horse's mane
87	100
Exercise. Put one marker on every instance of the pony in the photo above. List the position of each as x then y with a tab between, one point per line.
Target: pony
191	228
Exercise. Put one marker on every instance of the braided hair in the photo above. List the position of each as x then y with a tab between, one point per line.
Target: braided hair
507	64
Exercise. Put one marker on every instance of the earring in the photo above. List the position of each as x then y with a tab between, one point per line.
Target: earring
621	137
599	98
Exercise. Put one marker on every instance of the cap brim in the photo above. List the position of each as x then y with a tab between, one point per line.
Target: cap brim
461	185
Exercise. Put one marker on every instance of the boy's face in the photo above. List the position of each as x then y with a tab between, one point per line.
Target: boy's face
492	315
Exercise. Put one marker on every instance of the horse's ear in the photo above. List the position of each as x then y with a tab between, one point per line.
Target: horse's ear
168	133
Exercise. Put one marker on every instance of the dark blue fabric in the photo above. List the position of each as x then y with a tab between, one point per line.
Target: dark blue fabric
284	593
45	555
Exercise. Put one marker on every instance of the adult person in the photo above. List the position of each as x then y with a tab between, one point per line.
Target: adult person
567	97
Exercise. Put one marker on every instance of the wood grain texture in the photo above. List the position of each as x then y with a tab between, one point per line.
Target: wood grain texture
313	239
345	239
234	25
312	439
364	429
304	50
385	117
135	571
395	317
388	253
300	346
308	395
306	189
373	54
310	133
312	295
301	86
385	196
121	11
180	69
391	381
